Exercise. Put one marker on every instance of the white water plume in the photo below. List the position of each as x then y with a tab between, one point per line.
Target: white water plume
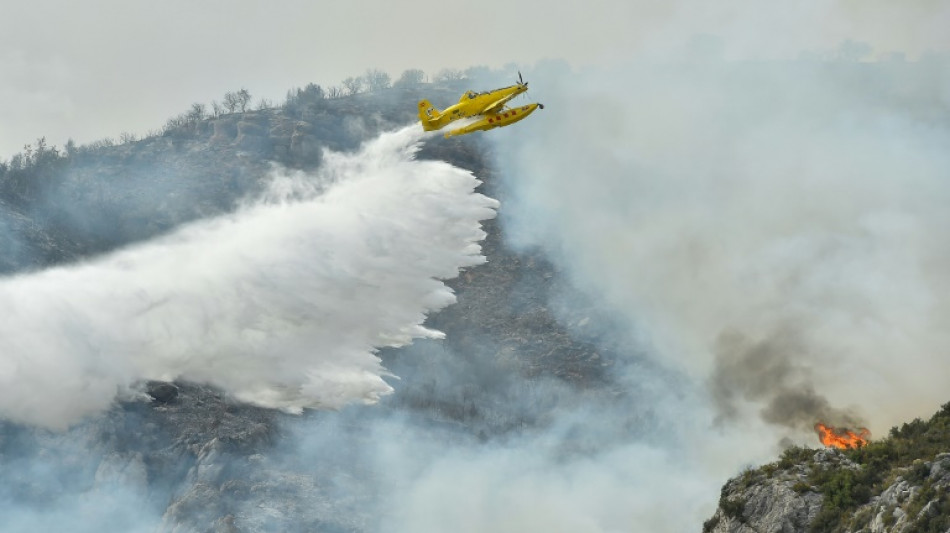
282	304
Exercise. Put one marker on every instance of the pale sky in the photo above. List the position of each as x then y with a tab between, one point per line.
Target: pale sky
94	69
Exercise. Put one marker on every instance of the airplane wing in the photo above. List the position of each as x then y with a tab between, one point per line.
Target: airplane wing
495	106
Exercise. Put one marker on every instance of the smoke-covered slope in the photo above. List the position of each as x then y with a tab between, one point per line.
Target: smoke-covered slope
509	399
65	204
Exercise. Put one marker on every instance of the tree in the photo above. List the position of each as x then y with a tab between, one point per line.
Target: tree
335	91
377	80
312	92
196	113
352	85
32	171
16	162
410	78
244	98
45	155
479	72
231	102
176	122
238	100
292	98
449	74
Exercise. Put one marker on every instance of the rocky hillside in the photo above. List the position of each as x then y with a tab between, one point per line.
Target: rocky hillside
900	484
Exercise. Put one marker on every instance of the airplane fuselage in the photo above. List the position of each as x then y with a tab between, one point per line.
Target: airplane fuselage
472	103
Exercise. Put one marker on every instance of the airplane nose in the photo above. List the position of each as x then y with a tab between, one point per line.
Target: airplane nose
540	106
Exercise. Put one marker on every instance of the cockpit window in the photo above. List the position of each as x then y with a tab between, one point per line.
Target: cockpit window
471	94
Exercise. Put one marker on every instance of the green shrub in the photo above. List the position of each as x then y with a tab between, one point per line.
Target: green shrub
918	472
889	519
733	508
861	520
802	487
794	456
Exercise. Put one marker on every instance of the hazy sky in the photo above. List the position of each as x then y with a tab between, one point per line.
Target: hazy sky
87	70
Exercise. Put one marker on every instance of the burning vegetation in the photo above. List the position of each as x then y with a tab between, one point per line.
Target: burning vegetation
842	438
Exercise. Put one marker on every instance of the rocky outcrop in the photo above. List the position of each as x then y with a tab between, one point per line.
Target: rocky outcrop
772	499
918	500
823	491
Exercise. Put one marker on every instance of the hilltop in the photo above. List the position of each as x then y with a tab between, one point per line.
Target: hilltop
77	201
897	484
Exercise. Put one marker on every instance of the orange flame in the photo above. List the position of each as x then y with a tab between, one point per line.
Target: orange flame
842	438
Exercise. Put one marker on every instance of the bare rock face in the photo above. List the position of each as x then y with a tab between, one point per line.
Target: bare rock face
771	499
771	507
783	498
917	501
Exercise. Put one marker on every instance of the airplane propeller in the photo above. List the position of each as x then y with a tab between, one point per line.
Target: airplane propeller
522	82
525	93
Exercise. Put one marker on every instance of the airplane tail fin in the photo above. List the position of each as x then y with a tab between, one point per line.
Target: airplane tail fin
429	116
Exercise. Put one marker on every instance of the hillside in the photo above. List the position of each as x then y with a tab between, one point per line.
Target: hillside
897	484
190	457
79	201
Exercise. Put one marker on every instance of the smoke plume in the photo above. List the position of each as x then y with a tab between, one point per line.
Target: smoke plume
283	303
770	372
774	229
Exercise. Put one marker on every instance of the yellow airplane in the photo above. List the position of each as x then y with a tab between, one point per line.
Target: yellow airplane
490	106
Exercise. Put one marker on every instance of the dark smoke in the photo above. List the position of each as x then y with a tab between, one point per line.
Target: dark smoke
771	372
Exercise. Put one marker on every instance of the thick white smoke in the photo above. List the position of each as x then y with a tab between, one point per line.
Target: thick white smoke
282	303
776	229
